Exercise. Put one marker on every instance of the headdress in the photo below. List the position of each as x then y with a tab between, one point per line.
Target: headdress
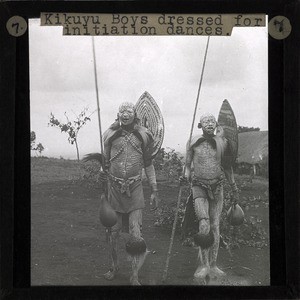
125	105
205	116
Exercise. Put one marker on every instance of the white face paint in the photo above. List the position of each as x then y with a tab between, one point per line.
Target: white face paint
208	124
126	115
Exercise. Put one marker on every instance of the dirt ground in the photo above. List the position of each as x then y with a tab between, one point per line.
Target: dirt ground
68	244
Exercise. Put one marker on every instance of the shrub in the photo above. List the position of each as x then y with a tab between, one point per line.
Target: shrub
91	174
170	163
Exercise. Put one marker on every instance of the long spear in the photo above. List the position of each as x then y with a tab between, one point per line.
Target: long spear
97	95
107	214
180	188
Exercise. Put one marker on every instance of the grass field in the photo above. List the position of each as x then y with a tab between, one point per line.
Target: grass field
68	242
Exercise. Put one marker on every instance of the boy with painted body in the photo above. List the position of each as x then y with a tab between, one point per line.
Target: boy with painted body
206	154
128	148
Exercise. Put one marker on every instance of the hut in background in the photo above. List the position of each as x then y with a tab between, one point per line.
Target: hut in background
253	153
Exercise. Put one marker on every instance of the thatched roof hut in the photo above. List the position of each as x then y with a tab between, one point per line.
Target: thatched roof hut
253	146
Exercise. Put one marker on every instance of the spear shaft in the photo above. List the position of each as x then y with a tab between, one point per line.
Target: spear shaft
180	188
97	95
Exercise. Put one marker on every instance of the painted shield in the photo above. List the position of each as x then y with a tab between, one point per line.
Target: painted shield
150	116
228	122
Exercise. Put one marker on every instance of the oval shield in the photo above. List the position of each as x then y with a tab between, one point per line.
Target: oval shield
227	120
151	117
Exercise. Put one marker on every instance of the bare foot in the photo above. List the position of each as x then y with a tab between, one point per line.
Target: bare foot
111	274
201	272
134	281
199	281
216	272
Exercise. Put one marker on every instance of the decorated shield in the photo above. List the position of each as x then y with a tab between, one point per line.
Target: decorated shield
227	120
150	116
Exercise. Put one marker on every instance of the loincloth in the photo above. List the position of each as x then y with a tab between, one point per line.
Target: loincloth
200	189
129	223
126	195
206	188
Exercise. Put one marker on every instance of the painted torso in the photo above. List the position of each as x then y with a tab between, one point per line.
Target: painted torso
206	164
126	156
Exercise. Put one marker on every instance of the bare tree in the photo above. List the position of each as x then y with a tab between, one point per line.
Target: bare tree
71	127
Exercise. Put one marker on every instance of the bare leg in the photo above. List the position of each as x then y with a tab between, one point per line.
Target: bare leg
137	262
113	255
201	210
135	224
215	209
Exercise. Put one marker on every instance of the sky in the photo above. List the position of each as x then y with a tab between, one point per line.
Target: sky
168	67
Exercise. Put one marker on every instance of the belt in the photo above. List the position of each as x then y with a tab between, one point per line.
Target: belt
209	185
124	184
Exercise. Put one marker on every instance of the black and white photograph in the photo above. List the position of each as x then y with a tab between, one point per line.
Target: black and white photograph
149	159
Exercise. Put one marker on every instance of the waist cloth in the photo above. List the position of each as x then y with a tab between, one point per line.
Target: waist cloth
201	188
205	188
125	195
